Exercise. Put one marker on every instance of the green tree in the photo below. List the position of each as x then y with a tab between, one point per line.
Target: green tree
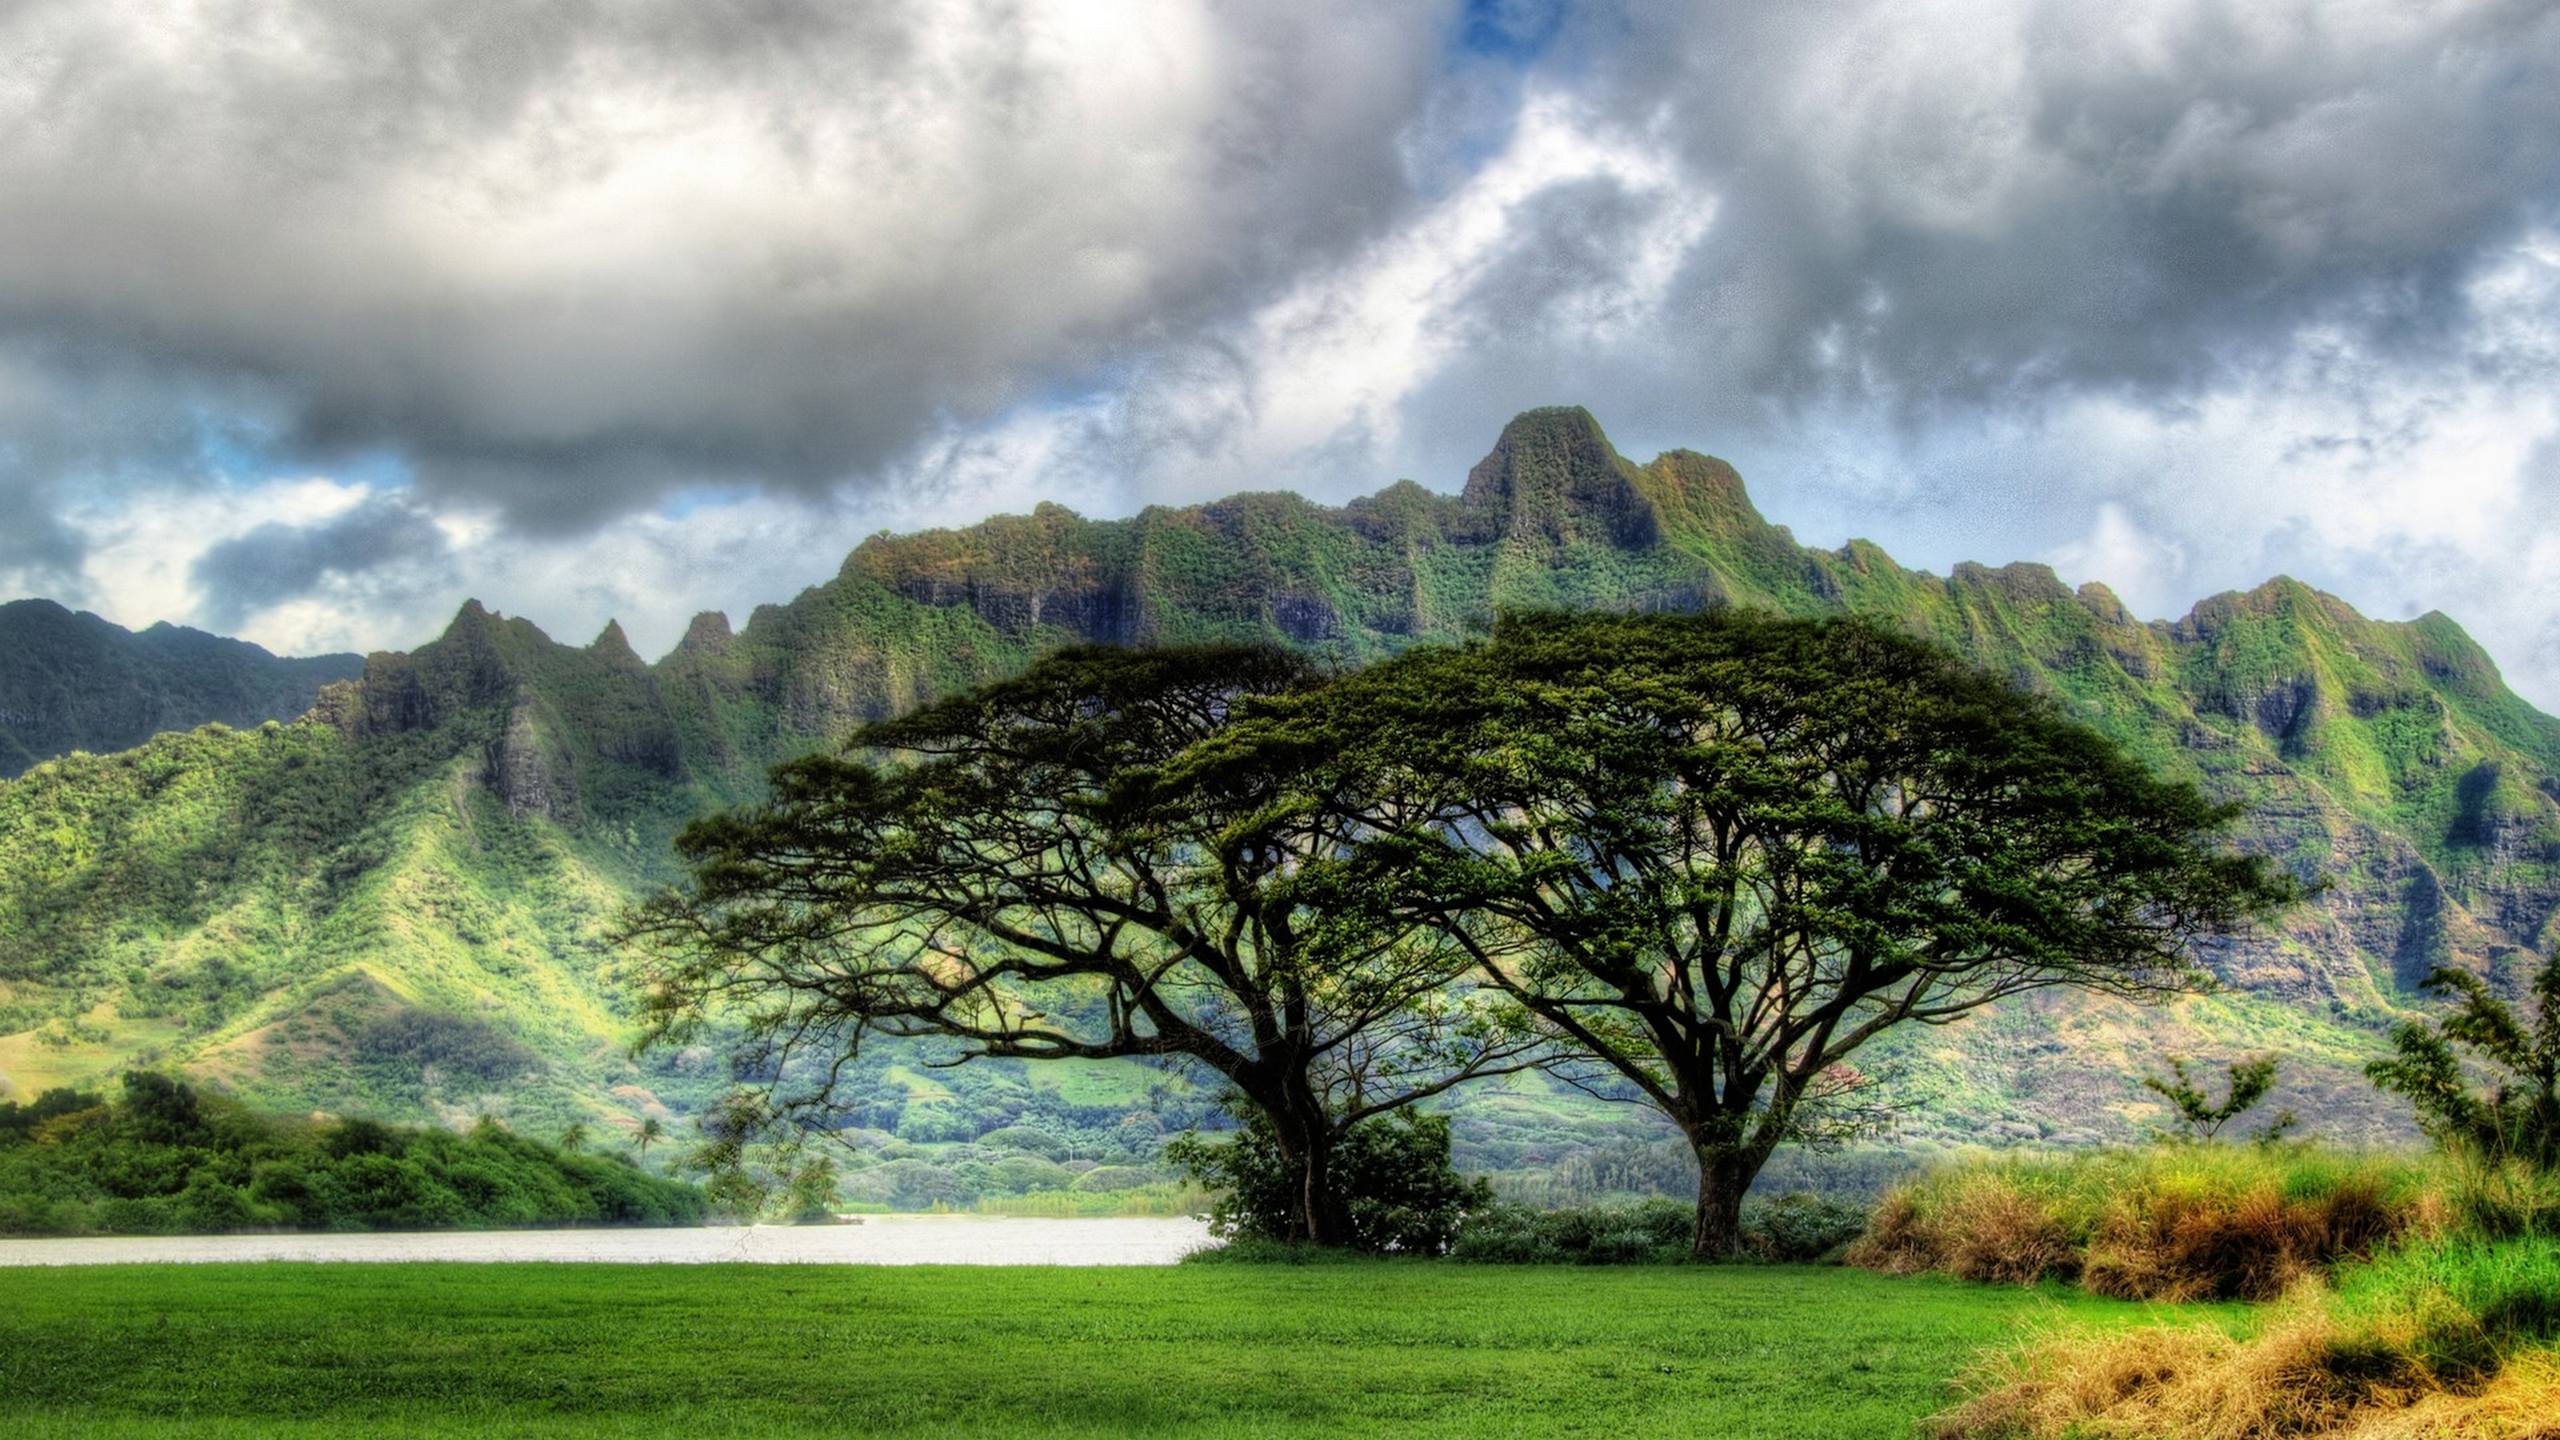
810	1197
1720	853
1028	871
160	1111
2518	1115
1398	1192
652	1130
2202	1116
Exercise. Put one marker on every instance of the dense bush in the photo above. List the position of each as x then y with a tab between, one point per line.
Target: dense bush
165	1159
1802	1227
1392	1175
1646	1231
2165	1222
1791	1228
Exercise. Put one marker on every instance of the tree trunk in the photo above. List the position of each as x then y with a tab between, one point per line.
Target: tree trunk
1320	1210
1306	1141
1725	1174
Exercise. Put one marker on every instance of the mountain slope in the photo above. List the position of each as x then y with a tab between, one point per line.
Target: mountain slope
399	902
72	681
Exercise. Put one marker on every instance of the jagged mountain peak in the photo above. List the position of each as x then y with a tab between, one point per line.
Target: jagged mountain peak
612	644
1554	478
708	634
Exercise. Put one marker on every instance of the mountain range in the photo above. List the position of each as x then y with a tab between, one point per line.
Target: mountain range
396	899
72	681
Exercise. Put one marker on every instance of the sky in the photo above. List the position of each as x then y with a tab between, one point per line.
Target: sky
320	316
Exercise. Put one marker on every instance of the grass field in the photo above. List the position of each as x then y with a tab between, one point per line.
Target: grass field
1199	1351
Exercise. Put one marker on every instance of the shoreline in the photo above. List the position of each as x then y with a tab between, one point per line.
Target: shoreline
913	1239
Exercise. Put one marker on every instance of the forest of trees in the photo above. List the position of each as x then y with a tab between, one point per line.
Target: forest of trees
162	1158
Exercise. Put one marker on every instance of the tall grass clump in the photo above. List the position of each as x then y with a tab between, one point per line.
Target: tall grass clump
2161	1222
2437	1339
2452	1331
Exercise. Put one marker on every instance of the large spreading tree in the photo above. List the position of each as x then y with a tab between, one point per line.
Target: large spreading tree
1027	871
1723	852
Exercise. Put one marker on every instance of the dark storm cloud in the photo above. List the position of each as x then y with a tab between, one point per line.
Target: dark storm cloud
33	542
566	255
1997	202
276	562
1572	242
78	419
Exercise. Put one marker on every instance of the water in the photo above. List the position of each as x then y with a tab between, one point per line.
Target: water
875	1240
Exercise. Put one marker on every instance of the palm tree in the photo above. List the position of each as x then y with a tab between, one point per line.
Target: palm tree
574	1138
652	1130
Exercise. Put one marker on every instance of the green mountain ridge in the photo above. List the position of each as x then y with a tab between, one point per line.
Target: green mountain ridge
399	901
70	680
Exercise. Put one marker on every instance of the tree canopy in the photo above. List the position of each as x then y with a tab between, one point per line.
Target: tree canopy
1722	852
1025	870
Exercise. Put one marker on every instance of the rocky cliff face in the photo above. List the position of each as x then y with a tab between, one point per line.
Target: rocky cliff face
2386	760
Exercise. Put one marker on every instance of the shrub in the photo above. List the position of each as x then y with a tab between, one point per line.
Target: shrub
1798	1228
1643	1232
1976	1223
1794	1228
1391	1176
1262	1250
209	1207
2200	1116
2518	1117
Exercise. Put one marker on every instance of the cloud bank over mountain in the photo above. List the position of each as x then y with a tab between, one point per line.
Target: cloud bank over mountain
315	318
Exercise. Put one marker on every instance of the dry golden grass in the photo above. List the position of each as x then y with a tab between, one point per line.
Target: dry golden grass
1981	1229
2251	1244
2168	1223
2424	1347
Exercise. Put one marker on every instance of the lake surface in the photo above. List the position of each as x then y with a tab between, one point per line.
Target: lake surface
874	1240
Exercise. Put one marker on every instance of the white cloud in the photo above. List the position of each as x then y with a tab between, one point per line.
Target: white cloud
138	562
2116	553
568	257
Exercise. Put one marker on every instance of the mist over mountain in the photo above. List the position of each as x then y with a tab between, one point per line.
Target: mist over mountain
399	902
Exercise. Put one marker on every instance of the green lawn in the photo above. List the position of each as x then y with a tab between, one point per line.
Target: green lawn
1224	1351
